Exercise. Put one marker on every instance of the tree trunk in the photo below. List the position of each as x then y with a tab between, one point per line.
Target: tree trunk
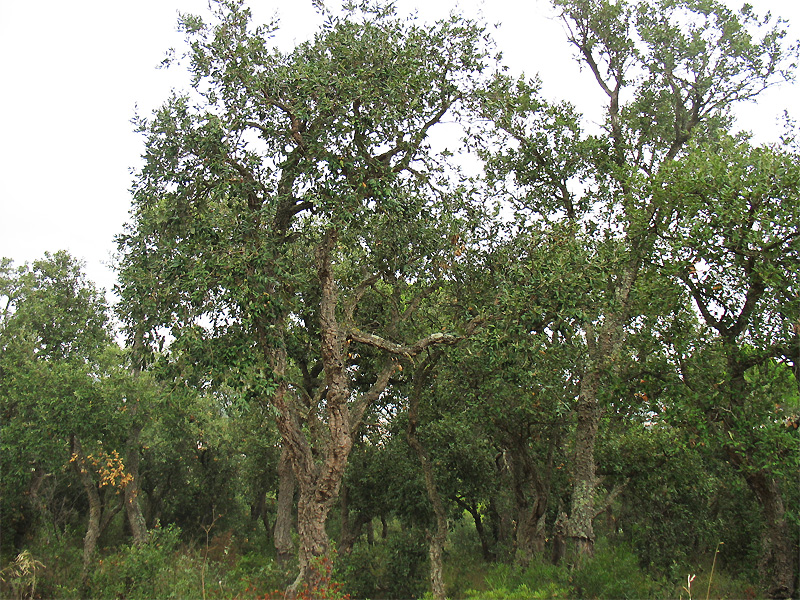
437	539
486	551
778	555
319	482
559	538
350	531
319	462
98	521
530	500
580	527
283	520
133	508
501	525
95	508
472	509
313	554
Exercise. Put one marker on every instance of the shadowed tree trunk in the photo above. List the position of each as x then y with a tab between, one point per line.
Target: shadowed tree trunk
351	529
438	537
283	519
133	507
483	535
531	487
778	555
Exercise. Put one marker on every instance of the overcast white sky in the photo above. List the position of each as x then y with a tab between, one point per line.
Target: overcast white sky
73	73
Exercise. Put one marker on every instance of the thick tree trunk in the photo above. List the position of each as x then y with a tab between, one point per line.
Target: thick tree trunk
530	498
283	520
313	554
778	556
319	483
579	526
319	463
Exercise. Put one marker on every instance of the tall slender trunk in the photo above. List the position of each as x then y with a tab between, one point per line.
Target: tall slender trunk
438	537
95	507
319	482
602	351
133	508
283	520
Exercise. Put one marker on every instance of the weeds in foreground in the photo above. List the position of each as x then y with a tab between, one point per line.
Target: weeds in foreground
713	564
20	575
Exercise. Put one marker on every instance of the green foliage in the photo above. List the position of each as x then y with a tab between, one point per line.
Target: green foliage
391	568
145	571
59	377
539	580
614	572
632	299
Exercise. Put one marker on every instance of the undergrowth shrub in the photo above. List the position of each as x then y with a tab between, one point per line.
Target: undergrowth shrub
151	570
393	568
614	572
540	580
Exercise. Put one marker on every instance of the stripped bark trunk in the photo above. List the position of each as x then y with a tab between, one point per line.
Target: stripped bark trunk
283	520
580	528
603	349
319	463
531	487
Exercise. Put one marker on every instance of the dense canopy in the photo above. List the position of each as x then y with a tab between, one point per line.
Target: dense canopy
394	323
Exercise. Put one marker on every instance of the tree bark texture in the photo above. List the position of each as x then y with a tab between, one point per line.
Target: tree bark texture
283	520
778	556
580	528
531	492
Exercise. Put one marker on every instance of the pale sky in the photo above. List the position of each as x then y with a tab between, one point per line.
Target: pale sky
72	75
